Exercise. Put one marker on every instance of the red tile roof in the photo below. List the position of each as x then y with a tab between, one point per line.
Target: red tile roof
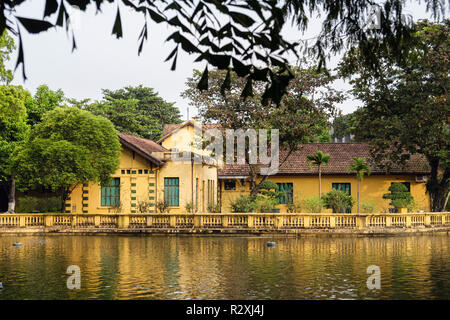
144	147
341	158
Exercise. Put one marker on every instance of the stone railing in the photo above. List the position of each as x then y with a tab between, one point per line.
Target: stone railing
258	221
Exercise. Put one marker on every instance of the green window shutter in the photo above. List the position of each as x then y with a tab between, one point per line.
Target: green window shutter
171	191
110	194
345	187
287	195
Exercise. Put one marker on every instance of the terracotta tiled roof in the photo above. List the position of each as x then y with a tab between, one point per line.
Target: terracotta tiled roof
144	147
341	158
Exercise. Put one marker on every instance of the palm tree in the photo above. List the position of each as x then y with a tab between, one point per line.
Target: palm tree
318	159
360	167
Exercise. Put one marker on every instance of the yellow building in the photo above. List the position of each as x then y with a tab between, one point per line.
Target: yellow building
300	181
151	172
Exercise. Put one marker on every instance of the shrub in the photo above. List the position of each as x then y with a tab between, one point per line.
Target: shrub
243	204
189	207
264	205
268	189
29	204
337	200
367	206
412	206
214	208
399	195
293	207
312	205
162	206
143	206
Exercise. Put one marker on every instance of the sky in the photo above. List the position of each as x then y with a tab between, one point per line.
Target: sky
103	62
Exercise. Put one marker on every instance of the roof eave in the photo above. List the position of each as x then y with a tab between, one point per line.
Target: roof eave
139	151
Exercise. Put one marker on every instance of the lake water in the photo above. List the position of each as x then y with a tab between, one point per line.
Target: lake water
196	267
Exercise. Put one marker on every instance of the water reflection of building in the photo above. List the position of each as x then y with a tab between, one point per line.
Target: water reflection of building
124	267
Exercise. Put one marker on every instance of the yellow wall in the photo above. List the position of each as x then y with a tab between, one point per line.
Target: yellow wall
188	175
372	188
136	186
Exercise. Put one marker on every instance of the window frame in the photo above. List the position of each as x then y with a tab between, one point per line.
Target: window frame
225	182
110	192
284	199
172	188
342	183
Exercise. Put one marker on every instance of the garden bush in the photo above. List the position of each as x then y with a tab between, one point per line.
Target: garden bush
243	204
367	206
338	201
312	205
30	204
399	195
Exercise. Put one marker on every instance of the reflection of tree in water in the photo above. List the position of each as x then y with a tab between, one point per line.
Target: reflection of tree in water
109	273
440	269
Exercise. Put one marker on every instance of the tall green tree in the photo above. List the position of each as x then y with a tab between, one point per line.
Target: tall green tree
318	159
69	147
406	107
301	116
43	101
136	110
13	132
246	34
7	46
360	167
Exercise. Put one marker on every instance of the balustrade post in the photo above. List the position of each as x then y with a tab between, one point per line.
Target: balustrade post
97	221
22	221
250	221
388	220
427	220
225	221
48	221
173	221
277	223
124	221
408	221
197	221
332	222
149	221
307	221
361	221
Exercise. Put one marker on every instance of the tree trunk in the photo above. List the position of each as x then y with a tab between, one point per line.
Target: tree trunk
446	200
253	178
12	196
320	184
438	189
357	199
